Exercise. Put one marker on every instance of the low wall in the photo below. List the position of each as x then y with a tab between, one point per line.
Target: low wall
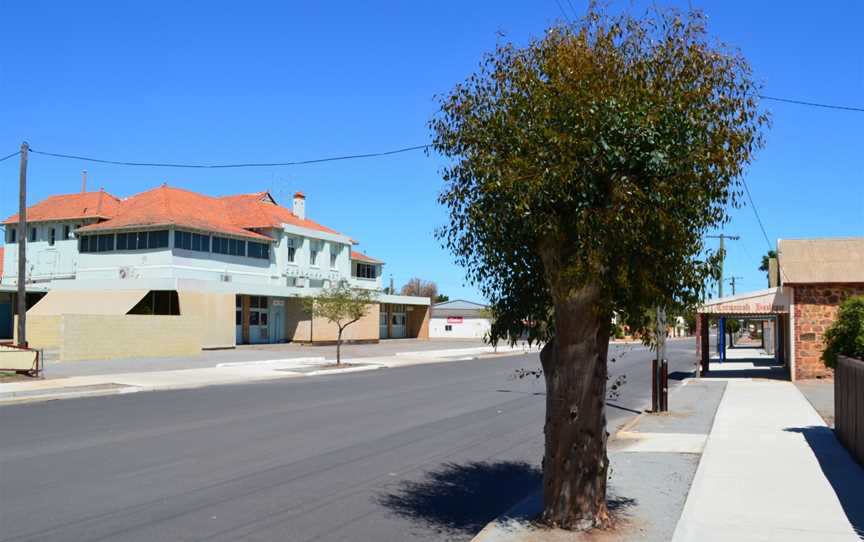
849	405
300	328
216	312
43	331
93	336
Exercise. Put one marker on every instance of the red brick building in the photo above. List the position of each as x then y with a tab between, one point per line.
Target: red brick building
808	281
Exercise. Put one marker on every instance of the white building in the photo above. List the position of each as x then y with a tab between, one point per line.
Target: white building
237	265
459	319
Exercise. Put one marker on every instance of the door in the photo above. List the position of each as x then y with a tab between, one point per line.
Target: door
238	319
277	320
259	316
398	319
5	320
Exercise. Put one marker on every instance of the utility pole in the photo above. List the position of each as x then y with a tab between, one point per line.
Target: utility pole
732	282
22	247
722	238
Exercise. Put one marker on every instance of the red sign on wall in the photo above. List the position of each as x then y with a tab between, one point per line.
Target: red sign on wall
454	319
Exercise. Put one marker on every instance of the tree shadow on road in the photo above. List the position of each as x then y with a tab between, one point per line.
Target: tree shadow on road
845	475
463	498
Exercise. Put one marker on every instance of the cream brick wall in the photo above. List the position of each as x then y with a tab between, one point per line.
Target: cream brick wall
299	327
216	311
43	331
89	336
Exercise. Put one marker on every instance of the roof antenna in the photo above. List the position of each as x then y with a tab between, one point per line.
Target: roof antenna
84	181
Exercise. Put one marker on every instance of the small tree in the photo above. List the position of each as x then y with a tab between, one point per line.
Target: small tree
420	287
845	337
583	172
340	305
765	265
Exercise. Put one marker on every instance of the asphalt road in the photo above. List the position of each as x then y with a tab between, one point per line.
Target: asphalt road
430	452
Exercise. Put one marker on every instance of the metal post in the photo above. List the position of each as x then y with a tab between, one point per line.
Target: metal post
22	247
664	386
655	399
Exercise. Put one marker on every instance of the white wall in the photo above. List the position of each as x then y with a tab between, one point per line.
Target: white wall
468	329
44	261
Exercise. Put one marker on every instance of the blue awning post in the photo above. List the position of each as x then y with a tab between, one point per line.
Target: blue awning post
721	338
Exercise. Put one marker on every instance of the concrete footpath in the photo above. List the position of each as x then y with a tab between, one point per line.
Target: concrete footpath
228	373
772	470
652	463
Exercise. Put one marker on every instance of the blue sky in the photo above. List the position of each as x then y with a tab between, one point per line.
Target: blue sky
263	81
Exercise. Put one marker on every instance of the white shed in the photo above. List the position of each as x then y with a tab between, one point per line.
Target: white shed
459	319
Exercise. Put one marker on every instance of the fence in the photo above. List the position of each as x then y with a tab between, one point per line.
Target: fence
849	405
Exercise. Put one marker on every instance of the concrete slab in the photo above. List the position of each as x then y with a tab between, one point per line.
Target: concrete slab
759	478
679	443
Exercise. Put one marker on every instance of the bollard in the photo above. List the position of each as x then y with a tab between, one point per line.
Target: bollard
655	395
664	386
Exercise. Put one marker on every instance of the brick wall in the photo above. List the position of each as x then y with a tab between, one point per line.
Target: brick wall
815	309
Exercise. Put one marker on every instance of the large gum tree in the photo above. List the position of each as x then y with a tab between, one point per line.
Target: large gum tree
583	171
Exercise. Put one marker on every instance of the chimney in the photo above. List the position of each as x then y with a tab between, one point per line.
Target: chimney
300	205
83	181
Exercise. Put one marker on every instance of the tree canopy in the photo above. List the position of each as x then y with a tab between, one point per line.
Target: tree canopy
583	171
600	153
419	287
342	305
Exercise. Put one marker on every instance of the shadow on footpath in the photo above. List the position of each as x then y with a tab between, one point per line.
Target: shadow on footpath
845	475
464	498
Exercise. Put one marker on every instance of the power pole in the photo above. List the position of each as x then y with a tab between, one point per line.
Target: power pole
732	282
722	238
22	247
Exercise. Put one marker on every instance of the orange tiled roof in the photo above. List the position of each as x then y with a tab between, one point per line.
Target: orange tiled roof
99	205
232	215
359	256
259	210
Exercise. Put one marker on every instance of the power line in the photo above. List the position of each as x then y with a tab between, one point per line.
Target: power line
813	104
756	212
16	153
566	17
226	166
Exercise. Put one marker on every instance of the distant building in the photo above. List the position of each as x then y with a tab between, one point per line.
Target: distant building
195	271
459	319
807	282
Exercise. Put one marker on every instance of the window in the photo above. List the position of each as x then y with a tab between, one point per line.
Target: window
259	250
66	231
158	302
291	243
157	239
191	241
313	254
365	271
232	247
12	235
124	241
32	234
51	236
334	254
448	327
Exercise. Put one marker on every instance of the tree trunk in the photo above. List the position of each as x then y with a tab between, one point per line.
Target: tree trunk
575	464
339	348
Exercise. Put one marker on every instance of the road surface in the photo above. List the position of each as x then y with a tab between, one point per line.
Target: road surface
429	452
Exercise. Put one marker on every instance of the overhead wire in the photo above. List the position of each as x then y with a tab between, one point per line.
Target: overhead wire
227	166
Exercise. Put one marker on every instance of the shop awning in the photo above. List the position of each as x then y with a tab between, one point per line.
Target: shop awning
770	301
58	302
